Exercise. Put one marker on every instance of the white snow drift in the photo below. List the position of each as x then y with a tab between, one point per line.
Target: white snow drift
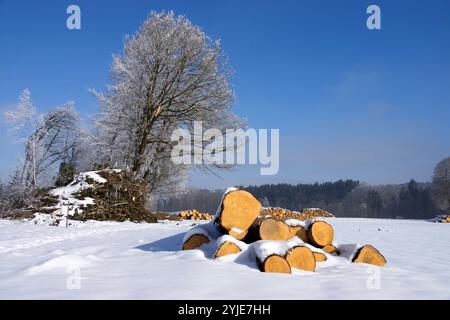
98	260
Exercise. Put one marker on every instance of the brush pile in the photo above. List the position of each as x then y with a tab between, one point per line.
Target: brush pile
106	195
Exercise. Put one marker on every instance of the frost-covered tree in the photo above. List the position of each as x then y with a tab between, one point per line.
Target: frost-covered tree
169	75
441	185
14	194
48	138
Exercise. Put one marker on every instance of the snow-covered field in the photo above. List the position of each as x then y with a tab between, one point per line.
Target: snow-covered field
106	260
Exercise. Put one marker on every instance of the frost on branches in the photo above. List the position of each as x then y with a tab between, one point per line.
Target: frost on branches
169	74
48	138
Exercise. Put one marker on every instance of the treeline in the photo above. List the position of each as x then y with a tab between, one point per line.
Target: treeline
347	198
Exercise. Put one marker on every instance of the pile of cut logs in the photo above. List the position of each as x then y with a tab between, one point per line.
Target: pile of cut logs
194	215
278	238
306	214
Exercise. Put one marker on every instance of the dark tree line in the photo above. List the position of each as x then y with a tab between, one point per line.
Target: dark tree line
347	198
300	196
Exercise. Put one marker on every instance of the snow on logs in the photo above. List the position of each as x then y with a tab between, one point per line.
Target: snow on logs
274	255
199	235
226	248
195	241
276	245
227	244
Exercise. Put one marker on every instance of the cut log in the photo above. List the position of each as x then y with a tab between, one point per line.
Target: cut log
271	229
226	248
299	232
320	233
238	211
331	249
195	241
369	254
301	258
274	263
319	257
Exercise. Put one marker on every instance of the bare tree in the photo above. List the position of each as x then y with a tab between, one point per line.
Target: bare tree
441	185
48	137
169	75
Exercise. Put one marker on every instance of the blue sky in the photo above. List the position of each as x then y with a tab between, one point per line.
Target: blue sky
349	102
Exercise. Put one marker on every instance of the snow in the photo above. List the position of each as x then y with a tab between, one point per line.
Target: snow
265	248
298	223
236	230
295	223
66	194
143	261
348	250
209	230
227	238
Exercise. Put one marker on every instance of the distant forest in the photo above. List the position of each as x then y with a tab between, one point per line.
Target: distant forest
347	198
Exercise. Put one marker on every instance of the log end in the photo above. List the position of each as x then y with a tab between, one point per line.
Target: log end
239	210
271	229
320	233
301	258
195	241
370	255
275	264
226	248
319	257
